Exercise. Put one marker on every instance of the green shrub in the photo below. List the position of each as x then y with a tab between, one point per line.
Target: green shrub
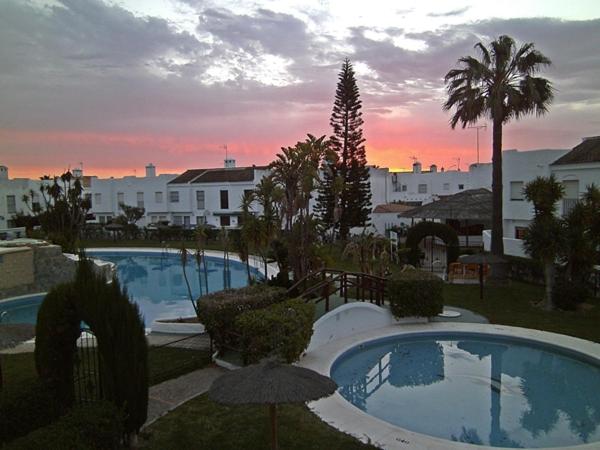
415	293
26	410
217	312
525	269
57	330
567	295
92	427
120	335
283	330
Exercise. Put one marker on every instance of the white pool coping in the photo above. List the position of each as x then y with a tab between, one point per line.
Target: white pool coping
344	416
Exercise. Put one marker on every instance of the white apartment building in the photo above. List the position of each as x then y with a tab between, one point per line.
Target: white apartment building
148	192
212	196
11	196
576	169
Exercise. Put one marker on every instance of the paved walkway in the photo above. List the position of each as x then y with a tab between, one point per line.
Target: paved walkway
166	396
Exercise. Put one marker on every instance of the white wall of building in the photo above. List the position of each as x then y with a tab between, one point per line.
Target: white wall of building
11	196
426	186
149	192
519	168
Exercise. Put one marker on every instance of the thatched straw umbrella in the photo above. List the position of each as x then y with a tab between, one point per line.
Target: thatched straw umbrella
481	259
11	335
270	383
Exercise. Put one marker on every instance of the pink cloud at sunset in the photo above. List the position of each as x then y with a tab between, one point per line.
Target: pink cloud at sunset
118	84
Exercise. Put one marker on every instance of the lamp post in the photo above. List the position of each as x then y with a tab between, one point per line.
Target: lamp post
478	127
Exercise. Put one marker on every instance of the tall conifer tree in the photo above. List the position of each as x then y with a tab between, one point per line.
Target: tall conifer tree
348	143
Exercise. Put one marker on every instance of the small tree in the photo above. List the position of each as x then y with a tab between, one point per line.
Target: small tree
64	212
543	240
131	215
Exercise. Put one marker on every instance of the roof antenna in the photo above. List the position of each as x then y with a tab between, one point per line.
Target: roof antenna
478	127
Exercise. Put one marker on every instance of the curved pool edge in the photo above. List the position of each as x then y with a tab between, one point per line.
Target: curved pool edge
342	415
255	262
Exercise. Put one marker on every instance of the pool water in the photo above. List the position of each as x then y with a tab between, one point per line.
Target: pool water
154	280
475	389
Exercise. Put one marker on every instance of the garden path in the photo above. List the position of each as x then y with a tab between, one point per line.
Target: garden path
170	394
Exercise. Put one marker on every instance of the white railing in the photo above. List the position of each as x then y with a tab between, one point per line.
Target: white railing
12	233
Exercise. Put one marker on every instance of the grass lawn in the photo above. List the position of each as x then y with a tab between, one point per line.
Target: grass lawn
164	363
514	304
202	424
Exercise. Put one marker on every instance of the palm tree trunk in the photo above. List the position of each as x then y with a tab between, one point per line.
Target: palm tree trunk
549	278
497	246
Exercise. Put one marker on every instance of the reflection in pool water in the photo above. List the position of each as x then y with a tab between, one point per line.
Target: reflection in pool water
155	282
473	389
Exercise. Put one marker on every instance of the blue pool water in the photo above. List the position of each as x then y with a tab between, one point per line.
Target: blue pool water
154	281
475	389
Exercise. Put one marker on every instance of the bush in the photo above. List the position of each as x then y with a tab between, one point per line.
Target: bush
525	269
26	410
218	311
116	323
92	427
415	293
567	295
283	330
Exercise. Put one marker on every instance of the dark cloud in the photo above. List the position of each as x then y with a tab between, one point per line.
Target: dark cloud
454	12
89	66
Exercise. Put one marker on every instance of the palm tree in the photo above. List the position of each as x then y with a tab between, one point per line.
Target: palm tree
183	257
500	85
544	237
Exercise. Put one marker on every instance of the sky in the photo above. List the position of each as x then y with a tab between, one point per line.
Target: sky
116	84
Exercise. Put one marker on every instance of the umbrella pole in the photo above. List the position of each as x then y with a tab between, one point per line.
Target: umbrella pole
480	281
273	411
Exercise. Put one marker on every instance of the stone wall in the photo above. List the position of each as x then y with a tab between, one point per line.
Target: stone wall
33	269
16	267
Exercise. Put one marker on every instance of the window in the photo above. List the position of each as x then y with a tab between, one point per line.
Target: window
153	219
140	199
520	232
461	187
97	199
174	196
120	198
571	195
158	197
200	220
248	192
177	220
422	189
446	186
200	200
516	191
11	204
404	187
186	221
102	219
225	220
224	199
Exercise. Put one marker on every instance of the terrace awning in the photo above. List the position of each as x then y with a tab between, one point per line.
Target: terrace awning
474	205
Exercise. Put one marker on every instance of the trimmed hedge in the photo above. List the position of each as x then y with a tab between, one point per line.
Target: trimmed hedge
283	330
92	427
415	293
525	269
218	311
568	295
26	410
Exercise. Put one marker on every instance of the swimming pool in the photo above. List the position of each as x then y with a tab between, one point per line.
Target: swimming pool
154	280
475	388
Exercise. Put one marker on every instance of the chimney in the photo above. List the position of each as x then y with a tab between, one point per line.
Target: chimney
77	173
3	173
150	170
417	167
433	168
229	163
